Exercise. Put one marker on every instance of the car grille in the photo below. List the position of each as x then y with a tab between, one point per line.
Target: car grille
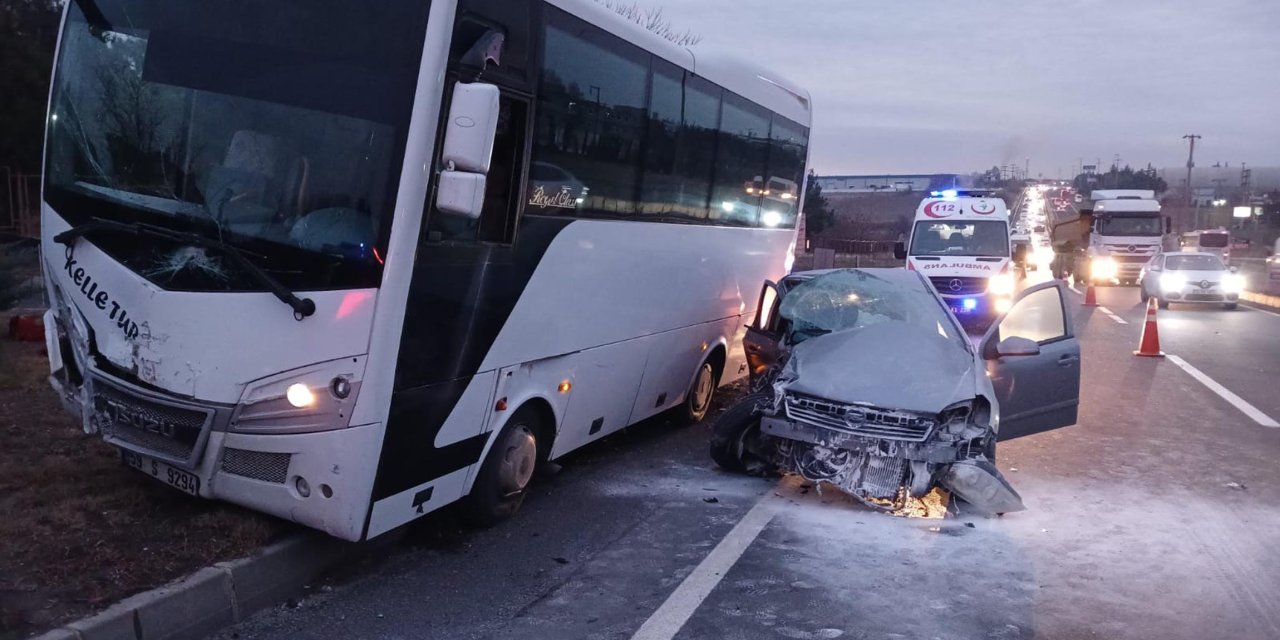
182	428
259	465
1132	259
959	286
1204	297
857	419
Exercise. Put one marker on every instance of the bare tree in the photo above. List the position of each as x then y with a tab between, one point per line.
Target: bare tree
652	20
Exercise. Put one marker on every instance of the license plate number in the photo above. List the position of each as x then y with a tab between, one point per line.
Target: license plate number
183	481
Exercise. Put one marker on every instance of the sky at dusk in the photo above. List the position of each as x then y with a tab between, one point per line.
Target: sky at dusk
945	86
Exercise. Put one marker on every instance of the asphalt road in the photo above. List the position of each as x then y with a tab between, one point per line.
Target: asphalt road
1157	516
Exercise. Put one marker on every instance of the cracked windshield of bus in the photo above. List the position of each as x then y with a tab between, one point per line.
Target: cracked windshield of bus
278	127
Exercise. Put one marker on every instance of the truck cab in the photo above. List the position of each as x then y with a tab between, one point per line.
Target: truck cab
1125	231
962	245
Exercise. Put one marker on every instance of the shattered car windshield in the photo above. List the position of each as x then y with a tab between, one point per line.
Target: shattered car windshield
854	299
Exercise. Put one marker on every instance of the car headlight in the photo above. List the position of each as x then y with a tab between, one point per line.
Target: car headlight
1233	283
1001	284
1104	267
1172	281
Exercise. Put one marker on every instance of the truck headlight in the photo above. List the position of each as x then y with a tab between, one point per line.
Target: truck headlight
1104	267
1232	283
1001	284
1172	281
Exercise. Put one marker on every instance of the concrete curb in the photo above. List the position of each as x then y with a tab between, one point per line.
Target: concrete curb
216	597
1261	299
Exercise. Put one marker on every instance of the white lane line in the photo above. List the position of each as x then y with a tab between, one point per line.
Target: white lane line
1239	403
1257	308
669	618
1113	316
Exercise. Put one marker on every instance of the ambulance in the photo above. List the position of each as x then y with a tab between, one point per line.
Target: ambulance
962	245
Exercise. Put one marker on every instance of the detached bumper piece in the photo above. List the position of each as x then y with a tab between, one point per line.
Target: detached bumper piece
979	483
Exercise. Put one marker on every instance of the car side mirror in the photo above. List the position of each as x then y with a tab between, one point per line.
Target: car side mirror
900	250
468	148
1017	346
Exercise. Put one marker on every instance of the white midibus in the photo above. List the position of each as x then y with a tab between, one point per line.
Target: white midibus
347	262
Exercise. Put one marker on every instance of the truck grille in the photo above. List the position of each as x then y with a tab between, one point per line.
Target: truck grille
857	419
959	286
166	431
259	465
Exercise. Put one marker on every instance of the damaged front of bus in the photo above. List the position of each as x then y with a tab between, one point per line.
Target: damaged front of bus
865	381
219	187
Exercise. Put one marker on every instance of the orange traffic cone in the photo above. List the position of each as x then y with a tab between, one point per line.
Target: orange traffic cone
1090	297
1149	346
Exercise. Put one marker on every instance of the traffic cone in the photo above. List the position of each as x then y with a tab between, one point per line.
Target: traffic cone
1149	345
1090	296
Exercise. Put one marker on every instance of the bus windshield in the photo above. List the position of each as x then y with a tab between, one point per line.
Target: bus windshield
982	238
278	126
1130	225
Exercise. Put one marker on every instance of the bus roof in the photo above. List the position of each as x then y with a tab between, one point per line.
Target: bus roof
746	79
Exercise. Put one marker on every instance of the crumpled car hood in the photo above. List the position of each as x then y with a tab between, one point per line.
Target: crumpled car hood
891	365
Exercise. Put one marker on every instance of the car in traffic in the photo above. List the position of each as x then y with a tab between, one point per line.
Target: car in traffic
863	379
1196	277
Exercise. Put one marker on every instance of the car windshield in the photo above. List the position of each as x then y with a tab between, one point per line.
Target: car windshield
854	299
276	125
1214	240
1130	226
1193	263
984	238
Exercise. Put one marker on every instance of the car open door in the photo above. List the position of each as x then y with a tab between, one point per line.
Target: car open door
761	341
1033	359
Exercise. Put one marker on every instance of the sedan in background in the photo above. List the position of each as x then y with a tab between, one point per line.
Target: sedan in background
1194	277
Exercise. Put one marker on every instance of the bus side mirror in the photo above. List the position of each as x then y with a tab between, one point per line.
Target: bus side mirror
900	250
1168	224
468	149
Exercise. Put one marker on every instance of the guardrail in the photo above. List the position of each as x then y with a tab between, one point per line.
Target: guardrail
852	247
20	212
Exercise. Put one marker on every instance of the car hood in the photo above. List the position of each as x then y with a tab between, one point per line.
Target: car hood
1197	276
892	365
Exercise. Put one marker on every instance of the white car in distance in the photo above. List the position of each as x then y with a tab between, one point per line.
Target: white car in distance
1194	277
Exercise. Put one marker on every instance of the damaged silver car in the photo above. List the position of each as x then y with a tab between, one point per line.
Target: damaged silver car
863	379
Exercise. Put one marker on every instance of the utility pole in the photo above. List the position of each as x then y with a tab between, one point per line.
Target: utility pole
1191	163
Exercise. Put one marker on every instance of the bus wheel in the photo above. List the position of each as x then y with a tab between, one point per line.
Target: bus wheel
504	477
698	400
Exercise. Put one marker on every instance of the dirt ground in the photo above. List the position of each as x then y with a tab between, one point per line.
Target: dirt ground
78	530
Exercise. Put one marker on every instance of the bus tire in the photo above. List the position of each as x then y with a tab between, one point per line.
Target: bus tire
736	438
702	391
504	476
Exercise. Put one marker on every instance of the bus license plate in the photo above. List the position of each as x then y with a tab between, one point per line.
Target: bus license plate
183	481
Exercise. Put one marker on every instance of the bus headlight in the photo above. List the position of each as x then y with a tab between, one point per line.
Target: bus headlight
1172	281
315	398
1104	267
1001	284
1232	283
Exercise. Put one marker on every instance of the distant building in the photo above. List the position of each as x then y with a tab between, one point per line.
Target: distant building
902	183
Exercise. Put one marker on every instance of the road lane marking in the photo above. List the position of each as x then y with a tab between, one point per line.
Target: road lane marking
1256	308
1073	288
1239	403
1113	316
669	618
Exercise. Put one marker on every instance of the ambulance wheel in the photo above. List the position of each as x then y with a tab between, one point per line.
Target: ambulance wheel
1163	304
504	476
1230	306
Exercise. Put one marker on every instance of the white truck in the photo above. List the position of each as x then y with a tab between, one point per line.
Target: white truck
962	245
1109	238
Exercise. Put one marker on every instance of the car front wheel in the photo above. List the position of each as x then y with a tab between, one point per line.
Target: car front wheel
736	442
